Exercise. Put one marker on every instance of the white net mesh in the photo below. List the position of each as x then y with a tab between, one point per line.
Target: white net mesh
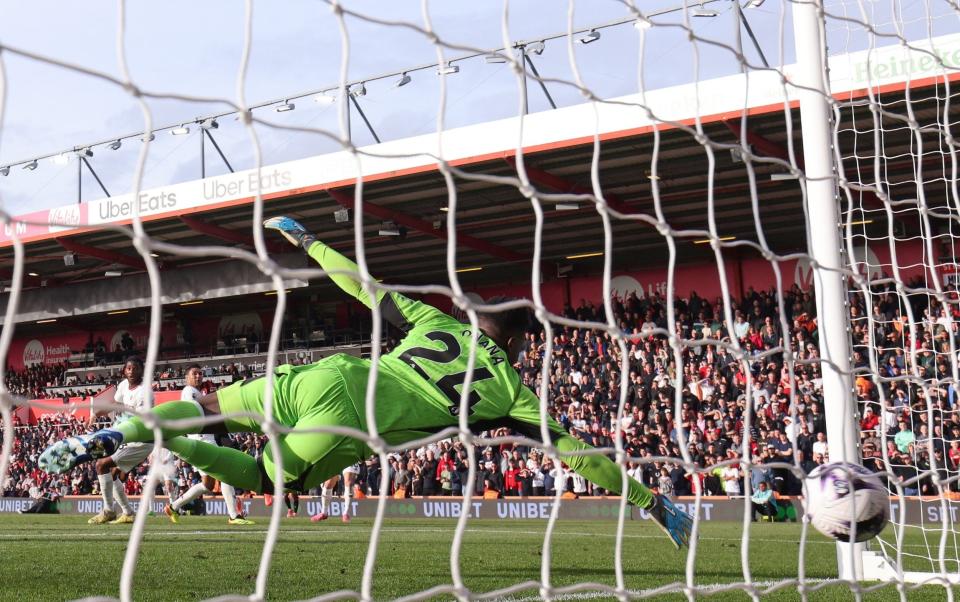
899	158
692	81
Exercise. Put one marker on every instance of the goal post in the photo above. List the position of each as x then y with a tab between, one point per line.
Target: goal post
822	200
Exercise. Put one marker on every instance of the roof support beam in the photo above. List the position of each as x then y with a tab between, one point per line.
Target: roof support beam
104	254
385	213
764	145
225	234
773	149
542	177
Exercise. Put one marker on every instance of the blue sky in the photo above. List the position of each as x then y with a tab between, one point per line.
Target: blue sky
194	48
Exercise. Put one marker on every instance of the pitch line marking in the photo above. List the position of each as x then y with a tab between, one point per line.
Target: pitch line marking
321	531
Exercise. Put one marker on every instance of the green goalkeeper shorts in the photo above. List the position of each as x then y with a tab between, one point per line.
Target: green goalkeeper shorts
304	397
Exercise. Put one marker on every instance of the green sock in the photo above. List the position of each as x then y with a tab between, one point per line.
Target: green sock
222	463
134	430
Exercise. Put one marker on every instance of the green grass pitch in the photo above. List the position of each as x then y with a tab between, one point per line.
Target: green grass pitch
63	558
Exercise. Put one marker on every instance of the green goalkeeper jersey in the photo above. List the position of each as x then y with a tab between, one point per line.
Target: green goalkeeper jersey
420	383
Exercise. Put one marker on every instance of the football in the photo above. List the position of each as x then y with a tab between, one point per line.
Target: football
847	500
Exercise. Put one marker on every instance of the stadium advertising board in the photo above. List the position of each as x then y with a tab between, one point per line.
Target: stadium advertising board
711	508
77	407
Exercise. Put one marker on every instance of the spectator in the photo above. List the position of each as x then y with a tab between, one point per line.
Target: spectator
820	447
492	482
904	437
763	503
429	474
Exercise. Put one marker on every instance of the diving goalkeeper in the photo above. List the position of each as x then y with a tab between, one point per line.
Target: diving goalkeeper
417	395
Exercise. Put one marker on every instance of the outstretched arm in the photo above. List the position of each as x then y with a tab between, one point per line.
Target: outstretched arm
399	310
332	261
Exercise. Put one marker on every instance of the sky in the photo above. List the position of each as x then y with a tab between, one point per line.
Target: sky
194	48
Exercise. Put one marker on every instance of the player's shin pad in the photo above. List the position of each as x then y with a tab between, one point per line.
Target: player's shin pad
222	463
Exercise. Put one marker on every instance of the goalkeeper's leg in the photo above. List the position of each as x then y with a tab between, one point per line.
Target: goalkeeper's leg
239	398
314	398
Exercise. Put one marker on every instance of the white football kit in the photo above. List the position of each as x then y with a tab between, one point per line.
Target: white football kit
193	394
130	455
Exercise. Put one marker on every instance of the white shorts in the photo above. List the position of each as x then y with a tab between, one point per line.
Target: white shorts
131	455
353	469
166	464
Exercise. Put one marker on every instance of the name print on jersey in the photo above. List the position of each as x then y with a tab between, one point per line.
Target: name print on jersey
484	342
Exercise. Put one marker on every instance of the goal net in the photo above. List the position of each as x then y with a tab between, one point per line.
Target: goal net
751	279
899	207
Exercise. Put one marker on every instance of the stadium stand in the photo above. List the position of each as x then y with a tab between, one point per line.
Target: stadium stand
584	392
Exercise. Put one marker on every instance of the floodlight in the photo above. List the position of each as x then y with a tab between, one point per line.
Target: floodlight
448	69
325	99
495	58
180	131
286	106
209	124
358	90
31	165
389	229
591	37
5	170
703	12
403	81
115	145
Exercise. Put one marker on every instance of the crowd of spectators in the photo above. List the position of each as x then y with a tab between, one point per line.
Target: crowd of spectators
918	424
33	381
54	382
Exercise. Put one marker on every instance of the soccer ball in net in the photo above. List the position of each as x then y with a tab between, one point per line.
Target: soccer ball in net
847	498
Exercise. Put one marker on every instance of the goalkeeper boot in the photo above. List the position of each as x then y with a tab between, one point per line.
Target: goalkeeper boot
67	453
676	523
319	516
292	230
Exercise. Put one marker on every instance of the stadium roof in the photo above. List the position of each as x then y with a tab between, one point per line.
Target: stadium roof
494	221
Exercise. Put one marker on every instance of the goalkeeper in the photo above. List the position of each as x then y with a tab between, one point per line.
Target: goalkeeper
417	395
